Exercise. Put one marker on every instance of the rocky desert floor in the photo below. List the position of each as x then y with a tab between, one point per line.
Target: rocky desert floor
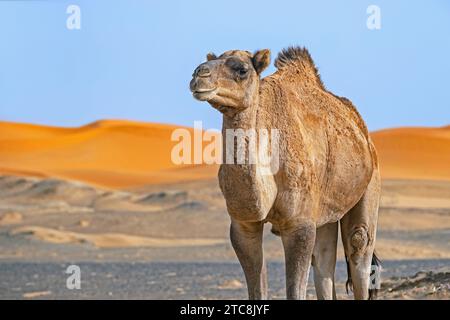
171	242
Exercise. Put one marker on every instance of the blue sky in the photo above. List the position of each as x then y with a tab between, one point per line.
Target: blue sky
134	59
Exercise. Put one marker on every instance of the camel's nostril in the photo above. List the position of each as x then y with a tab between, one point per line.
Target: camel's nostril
202	71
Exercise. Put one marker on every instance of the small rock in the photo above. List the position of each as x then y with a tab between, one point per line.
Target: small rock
231	284
31	295
10	218
84	223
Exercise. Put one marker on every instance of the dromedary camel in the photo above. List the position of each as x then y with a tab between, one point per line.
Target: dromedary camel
328	170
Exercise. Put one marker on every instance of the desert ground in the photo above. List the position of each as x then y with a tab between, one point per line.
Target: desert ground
106	197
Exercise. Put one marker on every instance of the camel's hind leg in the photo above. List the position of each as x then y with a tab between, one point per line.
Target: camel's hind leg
358	230
324	261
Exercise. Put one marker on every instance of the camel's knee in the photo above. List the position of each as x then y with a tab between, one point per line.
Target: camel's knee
359	241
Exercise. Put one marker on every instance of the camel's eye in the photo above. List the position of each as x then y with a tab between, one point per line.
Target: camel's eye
242	71
238	67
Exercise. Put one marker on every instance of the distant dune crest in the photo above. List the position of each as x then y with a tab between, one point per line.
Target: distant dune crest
414	153
121	154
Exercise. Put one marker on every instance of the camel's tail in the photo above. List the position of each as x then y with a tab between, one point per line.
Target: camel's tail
348	283
373	292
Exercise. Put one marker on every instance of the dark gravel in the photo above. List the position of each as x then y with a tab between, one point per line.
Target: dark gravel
160	280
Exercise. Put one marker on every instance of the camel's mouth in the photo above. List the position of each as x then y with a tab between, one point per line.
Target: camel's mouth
204	94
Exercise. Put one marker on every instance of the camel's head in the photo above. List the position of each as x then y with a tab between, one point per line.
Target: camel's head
230	81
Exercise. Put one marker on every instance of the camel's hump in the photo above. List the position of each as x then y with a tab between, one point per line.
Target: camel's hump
291	57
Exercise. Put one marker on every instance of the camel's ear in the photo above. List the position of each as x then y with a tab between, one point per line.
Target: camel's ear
261	60
210	56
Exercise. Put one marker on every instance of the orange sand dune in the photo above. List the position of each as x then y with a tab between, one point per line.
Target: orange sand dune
110	153
121	154
414	153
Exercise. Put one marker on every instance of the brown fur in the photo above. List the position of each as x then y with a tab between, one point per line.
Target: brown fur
297	57
327	168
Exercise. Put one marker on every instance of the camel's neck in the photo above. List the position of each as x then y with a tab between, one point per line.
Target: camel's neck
243	120
258	189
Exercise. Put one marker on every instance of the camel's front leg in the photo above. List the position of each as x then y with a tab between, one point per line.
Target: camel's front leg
298	248
246	238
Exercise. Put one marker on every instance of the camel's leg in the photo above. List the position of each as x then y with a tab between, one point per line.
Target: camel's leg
298	248
246	238
358	230
324	261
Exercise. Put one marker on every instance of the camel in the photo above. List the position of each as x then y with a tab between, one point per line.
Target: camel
328	171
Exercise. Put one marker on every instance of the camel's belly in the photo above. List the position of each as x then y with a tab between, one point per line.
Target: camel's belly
325	186
347	179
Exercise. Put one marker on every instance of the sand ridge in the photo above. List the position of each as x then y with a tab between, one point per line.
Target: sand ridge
109	240
414	153
124	154
188	221
107	153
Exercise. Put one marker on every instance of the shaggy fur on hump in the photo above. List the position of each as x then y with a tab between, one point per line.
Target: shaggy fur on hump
300	57
295	56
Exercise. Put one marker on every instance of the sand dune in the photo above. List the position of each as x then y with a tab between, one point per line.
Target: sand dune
186	216
414	153
106	153
10	218
110	240
121	154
